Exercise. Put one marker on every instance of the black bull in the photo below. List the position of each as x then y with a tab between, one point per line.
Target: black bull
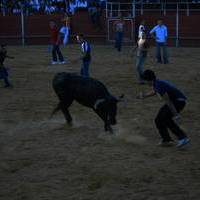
88	92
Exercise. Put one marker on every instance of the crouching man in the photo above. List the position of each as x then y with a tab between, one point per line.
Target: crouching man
168	117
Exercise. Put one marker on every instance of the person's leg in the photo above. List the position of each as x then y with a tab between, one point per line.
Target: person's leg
120	41
158	52
85	69
140	67
161	123
4	76
60	56
54	55
165	54
173	126
7	82
116	40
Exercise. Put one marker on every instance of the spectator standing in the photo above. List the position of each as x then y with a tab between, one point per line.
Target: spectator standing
160	34
119	32
86	55
55	42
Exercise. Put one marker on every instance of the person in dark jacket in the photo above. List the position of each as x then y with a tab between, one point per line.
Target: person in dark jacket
3	70
169	115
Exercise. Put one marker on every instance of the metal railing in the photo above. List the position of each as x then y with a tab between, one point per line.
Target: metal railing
113	9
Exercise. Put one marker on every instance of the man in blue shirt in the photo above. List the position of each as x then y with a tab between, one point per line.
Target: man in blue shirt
168	116
86	55
160	34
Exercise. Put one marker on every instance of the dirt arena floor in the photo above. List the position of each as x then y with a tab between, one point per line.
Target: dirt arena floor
44	159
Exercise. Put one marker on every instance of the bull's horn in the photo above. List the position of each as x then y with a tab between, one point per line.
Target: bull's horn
98	101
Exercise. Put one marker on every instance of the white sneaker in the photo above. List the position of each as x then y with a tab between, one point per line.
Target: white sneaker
54	63
183	142
62	63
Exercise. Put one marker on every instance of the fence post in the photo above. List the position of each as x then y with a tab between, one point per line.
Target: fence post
141	9
106	9
22	26
188	9
111	10
3	8
177	25
133	9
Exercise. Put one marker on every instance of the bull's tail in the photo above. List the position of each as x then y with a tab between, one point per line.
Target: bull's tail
56	109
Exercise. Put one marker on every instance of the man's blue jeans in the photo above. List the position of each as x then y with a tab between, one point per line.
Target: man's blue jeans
162	57
85	68
118	40
140	66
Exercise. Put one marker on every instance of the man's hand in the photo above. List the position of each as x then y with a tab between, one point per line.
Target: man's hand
177	119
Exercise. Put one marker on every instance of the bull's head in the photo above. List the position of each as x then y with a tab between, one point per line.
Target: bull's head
108	108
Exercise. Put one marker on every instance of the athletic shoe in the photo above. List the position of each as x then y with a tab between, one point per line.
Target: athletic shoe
54	63
166	143
8	86
62	62
183	142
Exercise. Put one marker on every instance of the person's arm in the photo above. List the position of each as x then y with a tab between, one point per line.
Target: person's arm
143	95
152	33
166	34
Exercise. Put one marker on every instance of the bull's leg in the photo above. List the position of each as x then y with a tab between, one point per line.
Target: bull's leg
104	117
66	113
108	127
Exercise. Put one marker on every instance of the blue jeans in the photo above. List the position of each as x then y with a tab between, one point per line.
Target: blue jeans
56	52
140	66
85	68
4	76
162	57
118	40
164	122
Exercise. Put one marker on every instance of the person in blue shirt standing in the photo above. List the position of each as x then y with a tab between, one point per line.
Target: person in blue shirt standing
86	55
169	115
160	34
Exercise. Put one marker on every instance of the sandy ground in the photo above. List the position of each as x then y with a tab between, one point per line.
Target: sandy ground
43	158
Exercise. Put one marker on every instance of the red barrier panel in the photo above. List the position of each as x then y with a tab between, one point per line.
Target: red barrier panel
37	27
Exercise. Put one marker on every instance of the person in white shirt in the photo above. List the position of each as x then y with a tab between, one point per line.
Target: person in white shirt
160	34
141	55
141	29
